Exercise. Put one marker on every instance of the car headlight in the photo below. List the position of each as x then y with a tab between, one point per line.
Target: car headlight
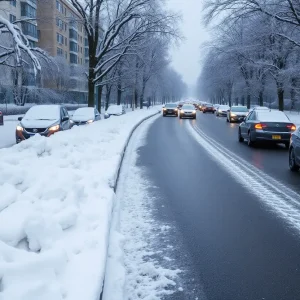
176	109
182	111
90	121
164	108
194	111
54	128
233	115
19	128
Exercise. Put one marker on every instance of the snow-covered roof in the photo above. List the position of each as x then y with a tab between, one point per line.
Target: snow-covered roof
84	112
43	112
115	109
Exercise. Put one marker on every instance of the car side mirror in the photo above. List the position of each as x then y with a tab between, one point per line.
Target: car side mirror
20	118
65	118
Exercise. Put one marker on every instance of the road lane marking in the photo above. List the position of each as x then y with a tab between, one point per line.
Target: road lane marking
275	195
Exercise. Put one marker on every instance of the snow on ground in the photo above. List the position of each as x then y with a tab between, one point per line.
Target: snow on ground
55	210
134	268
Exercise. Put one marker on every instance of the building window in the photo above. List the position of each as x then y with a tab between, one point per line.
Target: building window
29	29
59	7
59	23
65	11
65	26
86	52
66	41
12	18
86	42
13	3
27	10
73	46
59	38
73	34
60	52
73	58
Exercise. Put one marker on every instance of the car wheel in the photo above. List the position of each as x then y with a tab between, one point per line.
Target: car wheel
241	139
250	142
292	161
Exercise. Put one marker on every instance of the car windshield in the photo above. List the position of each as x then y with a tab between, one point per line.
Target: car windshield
188	106
43	112
86	112
239	109
171	105
272	116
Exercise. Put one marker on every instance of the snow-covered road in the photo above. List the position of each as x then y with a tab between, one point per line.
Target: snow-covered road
55	210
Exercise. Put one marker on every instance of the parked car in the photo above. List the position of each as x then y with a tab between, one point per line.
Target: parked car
114	110
187	111
266	125
237	113
44	120
85	115
170	109
222	110
208	108
294	151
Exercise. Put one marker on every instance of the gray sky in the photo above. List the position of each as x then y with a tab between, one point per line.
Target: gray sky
187	56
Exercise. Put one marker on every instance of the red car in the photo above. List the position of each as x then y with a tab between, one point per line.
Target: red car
208	108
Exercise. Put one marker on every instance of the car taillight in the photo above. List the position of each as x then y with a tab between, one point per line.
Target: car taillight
260	126
291	127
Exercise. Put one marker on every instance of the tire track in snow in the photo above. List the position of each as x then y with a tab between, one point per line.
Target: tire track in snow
283	201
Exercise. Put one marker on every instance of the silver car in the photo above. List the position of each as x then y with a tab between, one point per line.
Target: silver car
237	114
187	111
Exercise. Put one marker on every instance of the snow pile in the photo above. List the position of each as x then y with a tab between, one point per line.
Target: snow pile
55	210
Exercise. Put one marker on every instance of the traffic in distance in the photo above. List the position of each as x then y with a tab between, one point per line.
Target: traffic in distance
257	125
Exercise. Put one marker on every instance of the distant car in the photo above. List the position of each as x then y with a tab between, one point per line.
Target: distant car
266	125
222	111
294	151
237	113
44	120
208	108
114	110
85	115
201	105
215	107
187	111
170	109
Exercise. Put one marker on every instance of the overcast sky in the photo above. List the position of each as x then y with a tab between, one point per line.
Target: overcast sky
187	56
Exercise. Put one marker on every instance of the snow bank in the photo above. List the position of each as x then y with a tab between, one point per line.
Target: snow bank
55	210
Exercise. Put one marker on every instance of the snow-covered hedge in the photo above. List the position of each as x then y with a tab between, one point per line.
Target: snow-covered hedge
56	200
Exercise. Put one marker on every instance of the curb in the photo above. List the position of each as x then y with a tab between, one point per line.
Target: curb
115	186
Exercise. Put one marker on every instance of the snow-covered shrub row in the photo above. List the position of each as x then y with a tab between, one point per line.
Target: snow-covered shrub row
56	200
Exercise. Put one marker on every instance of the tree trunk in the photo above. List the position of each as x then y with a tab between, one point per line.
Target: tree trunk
261	98
248	100
280	94
135	98
107	97
293	94
100	88
243	100
91	92
119	95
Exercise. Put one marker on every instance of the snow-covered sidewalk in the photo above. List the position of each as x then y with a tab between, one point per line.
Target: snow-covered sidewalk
56	203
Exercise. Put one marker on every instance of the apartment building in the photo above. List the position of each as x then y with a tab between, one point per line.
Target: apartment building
61	31
22	10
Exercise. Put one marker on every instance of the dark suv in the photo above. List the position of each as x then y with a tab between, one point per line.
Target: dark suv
170	109
44	120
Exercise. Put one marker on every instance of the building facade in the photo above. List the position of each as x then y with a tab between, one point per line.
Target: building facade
60	30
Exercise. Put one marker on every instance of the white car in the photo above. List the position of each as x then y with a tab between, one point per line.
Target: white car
222	110
114	110
85	115
187	111
237	114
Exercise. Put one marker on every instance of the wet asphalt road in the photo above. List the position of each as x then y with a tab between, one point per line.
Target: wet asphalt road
232	246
